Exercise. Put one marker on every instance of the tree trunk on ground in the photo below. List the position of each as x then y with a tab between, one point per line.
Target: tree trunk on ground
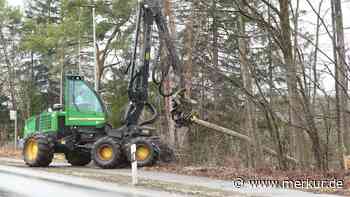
242	137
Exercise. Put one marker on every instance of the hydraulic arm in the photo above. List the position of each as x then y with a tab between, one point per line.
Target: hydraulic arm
149	13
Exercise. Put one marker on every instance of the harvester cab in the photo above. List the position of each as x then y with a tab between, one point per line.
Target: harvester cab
82	104
82	109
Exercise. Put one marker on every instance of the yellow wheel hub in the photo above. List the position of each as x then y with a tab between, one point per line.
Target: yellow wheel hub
105	153
32	150
142	152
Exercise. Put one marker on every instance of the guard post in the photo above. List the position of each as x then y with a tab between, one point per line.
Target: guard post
13	116
133	164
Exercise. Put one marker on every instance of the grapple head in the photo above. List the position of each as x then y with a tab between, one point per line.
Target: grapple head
182	109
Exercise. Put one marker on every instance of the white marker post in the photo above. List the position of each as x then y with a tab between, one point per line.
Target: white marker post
13	116
133	164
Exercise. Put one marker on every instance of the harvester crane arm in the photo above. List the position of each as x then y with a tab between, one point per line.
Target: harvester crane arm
149	13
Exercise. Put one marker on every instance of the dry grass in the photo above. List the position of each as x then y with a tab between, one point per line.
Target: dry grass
230	173
9	151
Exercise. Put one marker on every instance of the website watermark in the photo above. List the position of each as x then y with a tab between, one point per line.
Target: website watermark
288	184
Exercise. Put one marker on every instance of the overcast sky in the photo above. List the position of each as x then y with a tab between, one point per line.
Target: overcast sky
308	24
16	2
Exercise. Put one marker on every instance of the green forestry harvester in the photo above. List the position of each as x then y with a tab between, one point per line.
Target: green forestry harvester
78	126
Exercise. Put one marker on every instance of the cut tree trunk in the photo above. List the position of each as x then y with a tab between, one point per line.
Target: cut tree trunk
239	136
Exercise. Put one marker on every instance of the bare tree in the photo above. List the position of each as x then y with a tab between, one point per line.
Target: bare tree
340	77
171	133
254	152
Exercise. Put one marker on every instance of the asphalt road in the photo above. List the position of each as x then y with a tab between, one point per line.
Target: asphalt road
5	193
15	185
18	182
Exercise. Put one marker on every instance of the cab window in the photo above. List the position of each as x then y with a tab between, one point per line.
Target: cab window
82	98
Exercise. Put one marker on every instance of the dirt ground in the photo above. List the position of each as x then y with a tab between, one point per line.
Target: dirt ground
7	151
231	173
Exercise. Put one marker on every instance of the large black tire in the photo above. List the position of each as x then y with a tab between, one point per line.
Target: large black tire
106	153
146	155
78	158
38	151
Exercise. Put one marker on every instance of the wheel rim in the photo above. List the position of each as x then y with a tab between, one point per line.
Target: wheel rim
32	150
142	152
105	153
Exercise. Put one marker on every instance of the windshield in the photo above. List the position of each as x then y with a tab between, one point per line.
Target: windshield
83	98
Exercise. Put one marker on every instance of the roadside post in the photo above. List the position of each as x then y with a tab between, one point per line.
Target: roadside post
133	164
13	116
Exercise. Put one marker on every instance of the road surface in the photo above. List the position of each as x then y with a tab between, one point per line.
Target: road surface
17	180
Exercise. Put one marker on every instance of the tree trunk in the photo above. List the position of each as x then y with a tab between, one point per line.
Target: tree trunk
10	71
242	137
298	137
314	66
291	68
294	105
272	125
172	134
215	35
254	152
341	78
